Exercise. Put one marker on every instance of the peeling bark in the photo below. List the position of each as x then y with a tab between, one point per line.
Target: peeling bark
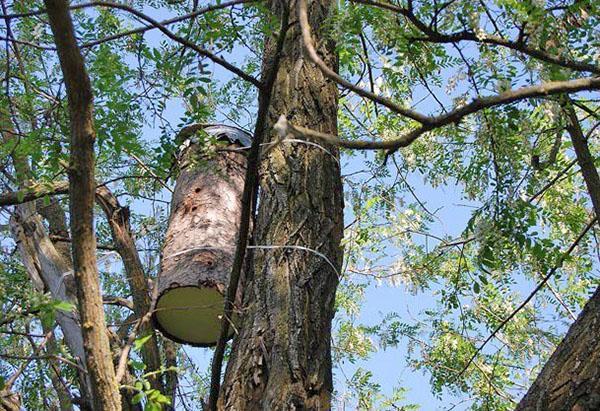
49	271
281	358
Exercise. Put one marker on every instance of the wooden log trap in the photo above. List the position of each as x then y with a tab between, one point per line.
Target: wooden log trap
201	236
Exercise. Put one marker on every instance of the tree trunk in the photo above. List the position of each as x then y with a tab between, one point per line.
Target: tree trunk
585	160
82	189
62	393
48	265
9	401
281	358
171	377
570	380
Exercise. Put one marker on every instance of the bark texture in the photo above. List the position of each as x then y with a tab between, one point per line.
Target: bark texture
585	160
118	220
82	189
570	380
9	401
281	358
171	377
199	245
32	192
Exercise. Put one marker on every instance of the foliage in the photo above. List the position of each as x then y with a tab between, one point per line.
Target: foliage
466	220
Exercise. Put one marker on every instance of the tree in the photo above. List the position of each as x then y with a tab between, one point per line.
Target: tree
333	93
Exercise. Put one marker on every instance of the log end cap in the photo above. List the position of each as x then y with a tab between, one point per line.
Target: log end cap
190	315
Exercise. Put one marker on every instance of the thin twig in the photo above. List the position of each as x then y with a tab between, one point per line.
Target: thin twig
547	277
10	381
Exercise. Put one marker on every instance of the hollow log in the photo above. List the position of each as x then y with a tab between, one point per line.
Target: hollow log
199	246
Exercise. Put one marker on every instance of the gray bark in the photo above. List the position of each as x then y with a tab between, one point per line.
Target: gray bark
50	272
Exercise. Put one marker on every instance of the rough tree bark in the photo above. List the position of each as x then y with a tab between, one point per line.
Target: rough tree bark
281	358
570	380
82	189
9	401
118	220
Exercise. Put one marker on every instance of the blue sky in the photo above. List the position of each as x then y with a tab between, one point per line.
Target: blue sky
389	366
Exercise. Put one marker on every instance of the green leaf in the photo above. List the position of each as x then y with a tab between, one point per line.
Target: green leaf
47	318
152	406
137	365
139	343
137	398
63	306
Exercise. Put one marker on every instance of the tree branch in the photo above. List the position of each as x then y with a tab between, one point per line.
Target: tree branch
40	190
154	24
454	116
545	279
167	22
118	220
585	160
82	188
33	192
332	75
434	36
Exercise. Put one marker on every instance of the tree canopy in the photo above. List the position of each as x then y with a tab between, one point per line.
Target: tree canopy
468	209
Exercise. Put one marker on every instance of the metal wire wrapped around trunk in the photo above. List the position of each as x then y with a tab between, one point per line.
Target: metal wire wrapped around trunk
199	246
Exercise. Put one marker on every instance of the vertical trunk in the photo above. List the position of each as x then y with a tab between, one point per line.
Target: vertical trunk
57	225
570	380
81	194
281	358
585	161
171	378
